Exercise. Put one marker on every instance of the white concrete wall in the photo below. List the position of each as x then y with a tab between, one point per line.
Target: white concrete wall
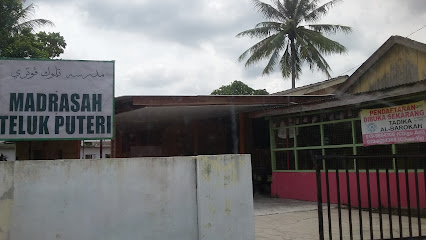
6	198
139	198
225	198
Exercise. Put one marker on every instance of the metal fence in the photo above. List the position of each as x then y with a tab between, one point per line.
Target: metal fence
336	190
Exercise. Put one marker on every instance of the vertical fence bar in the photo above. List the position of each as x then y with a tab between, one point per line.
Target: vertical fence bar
398	194
319	200
370	215
405	173
424	172
361	234
330	232
419	221
339	207
349	199
389	203
407	188
379	198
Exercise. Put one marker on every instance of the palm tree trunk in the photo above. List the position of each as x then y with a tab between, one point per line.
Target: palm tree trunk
293	63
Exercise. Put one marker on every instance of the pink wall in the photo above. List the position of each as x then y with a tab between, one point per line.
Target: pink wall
302	186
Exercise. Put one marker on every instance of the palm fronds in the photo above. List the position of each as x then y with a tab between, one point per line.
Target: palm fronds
319	12
268	11
288	43
330	28
25	21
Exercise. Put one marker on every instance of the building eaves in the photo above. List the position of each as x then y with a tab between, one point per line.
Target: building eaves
130	103
388	94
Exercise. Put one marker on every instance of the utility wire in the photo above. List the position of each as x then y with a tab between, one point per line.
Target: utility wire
361	64
416	30
349	70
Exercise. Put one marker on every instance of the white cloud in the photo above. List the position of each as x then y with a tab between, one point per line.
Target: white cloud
188	47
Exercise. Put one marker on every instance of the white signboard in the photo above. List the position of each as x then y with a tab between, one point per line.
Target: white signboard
396	124
56	99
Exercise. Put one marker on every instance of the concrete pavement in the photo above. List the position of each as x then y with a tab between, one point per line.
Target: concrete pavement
279	219
282	219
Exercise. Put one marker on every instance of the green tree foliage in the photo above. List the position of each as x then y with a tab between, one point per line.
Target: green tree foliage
290	37
38	45
18	38
260	92
238	88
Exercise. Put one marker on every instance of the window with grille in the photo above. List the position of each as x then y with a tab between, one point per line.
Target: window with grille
296	140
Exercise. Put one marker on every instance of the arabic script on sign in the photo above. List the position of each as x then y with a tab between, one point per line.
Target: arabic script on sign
49	73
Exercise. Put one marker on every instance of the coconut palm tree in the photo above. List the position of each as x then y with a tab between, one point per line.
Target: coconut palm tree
16	19
23	18
290	37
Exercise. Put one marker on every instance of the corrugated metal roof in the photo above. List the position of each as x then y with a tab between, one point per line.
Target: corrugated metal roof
393	87
314	86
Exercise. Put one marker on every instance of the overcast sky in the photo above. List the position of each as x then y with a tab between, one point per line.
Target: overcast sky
188	47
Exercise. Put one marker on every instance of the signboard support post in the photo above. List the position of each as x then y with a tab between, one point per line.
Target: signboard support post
29	151
100	149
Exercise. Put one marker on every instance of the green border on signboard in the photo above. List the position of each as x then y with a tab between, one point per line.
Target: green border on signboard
65	60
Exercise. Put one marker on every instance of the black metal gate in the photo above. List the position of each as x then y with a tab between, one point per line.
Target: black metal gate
403	216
